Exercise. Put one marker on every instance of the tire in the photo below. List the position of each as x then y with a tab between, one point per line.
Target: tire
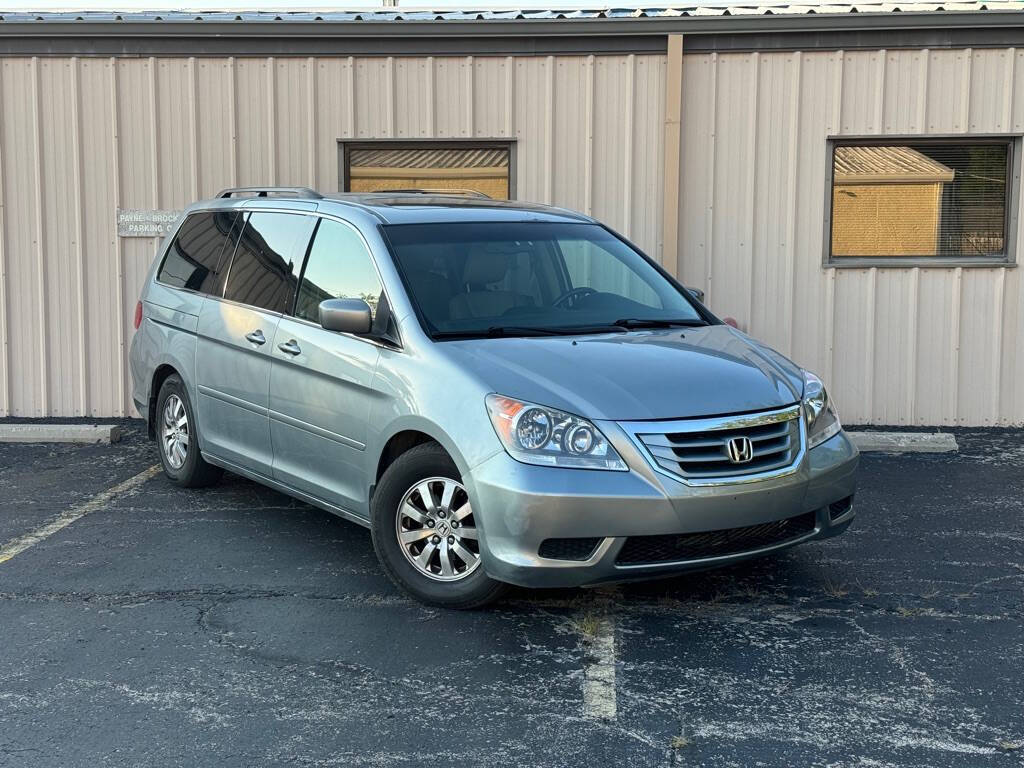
181	461
443	543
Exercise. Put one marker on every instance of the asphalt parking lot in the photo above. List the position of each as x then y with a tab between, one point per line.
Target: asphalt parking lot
236	627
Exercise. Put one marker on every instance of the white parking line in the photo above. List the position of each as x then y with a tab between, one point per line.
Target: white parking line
128	487
904	442
599	673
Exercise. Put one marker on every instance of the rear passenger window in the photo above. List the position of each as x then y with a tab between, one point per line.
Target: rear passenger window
339	267
194	259
267	260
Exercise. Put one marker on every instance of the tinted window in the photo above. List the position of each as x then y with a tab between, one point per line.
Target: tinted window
264	270
193	260
476	277
339	267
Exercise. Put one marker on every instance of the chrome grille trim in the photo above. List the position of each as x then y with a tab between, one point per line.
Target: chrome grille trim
694	450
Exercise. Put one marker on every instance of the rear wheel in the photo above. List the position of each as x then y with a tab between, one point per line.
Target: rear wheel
425	533
176	438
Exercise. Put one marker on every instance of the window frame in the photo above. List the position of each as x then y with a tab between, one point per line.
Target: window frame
1013	143
347	146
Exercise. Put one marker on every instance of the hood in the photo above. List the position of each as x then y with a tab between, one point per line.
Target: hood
638	376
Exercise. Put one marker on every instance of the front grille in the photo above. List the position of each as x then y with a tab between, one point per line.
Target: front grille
648	550
700	449
568	549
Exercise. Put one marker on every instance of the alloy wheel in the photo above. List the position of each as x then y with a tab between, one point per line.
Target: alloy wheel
436	530
174	432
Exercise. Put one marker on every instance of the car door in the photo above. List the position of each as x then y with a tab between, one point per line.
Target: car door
235	335
321	381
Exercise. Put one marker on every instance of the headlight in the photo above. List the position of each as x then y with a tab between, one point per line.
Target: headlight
535	434
819	412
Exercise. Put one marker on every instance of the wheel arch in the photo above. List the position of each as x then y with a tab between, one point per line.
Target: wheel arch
408	433
160	375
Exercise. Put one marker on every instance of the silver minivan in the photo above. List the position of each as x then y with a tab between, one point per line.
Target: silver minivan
503	393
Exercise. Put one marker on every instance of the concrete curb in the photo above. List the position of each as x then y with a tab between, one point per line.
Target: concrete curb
59	433
904	442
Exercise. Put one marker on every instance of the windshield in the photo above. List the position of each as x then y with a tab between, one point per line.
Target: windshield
531	278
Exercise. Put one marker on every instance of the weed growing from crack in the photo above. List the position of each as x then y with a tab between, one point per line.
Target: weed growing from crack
867	591
588	624
835	590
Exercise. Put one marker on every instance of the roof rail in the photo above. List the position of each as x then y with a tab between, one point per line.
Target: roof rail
434	191
271	192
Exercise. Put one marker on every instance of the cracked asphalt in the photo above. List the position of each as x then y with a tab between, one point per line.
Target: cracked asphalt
237	627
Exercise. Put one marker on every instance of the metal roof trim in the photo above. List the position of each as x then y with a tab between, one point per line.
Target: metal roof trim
972	10
827	26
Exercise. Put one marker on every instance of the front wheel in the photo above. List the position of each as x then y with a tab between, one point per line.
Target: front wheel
425	533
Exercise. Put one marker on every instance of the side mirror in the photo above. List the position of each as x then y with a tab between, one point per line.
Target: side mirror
346	315
698	294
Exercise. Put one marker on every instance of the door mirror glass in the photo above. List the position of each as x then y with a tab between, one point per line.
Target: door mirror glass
346	315
698	294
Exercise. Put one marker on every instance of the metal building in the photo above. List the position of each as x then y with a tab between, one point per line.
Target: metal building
844	180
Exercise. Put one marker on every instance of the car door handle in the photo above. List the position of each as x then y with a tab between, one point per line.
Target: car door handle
290	347
256	337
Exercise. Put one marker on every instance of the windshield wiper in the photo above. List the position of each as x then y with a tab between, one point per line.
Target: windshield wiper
640	322
495	332
501	331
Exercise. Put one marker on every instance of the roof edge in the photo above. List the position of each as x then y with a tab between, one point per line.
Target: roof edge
278	26
526	36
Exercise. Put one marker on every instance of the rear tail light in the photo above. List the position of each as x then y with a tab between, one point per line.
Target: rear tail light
138	314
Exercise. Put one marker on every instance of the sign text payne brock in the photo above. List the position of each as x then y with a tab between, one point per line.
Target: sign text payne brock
140	223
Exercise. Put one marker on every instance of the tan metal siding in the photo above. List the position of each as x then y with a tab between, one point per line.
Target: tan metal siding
898	346
26	351
81	137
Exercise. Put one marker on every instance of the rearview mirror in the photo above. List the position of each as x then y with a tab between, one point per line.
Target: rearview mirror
346	315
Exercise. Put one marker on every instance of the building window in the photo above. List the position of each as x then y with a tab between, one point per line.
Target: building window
460	166
921	201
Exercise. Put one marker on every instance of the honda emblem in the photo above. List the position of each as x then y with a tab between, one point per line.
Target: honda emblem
740	450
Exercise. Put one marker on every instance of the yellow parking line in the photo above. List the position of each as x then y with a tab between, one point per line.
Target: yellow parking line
129	486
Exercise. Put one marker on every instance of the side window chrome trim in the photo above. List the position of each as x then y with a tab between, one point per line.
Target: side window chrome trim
253	307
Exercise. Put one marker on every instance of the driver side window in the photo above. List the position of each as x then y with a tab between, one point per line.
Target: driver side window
338	267
591	266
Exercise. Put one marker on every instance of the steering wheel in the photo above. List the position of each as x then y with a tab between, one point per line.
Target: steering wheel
571	297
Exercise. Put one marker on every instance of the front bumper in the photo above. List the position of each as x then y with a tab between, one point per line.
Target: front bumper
519	506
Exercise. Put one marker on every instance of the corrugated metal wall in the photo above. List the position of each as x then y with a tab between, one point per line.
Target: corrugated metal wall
897	346
81	137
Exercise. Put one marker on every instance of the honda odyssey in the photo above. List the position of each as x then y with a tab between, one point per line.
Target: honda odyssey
502	393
